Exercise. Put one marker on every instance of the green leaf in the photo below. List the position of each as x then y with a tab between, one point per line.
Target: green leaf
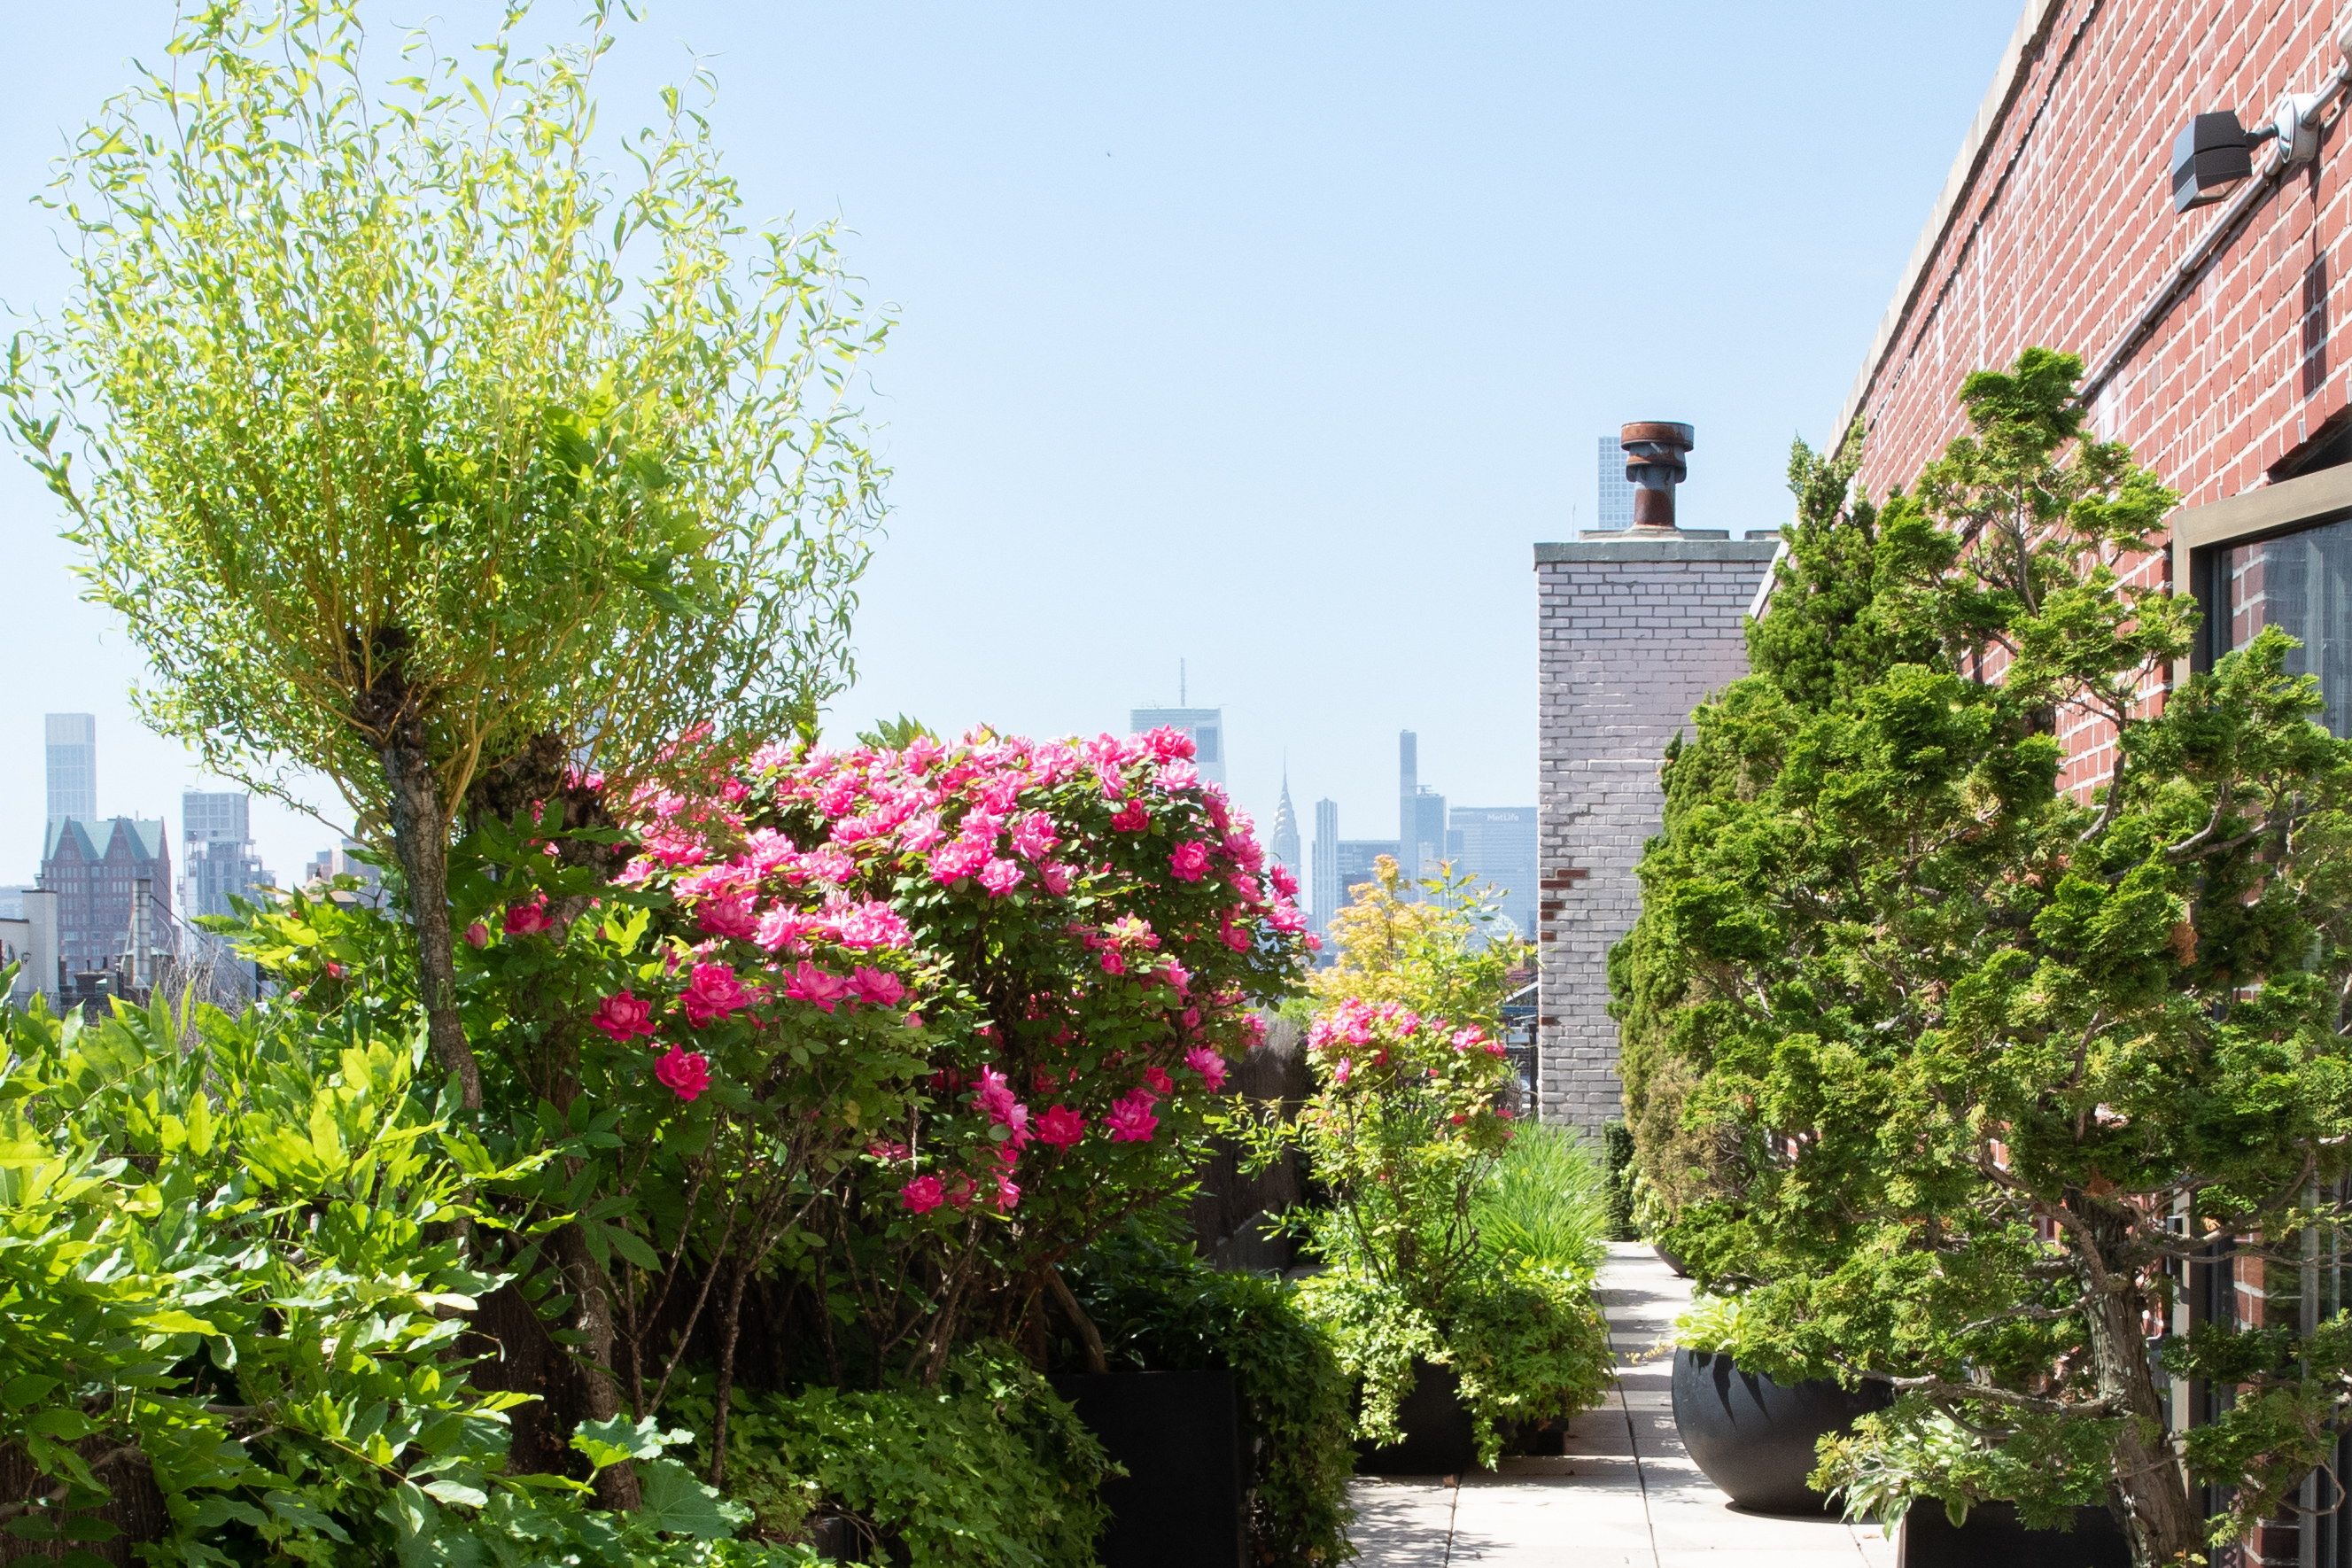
633	1246
678	1504
26	1388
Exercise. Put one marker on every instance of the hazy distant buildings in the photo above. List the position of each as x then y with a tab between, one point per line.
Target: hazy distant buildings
1354	861
72	766
1284	840
1421	813
113	884
329	864
1205	725
1497	845
217	845
1615	510
1326	884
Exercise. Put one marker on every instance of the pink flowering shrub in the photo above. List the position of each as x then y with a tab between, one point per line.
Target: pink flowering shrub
1045	955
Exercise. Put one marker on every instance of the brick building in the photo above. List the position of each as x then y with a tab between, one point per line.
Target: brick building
112	878
2206	335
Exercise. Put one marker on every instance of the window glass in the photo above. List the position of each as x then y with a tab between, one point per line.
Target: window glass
2302	584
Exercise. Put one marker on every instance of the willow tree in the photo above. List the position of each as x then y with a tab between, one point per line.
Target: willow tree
407	436
1982	1062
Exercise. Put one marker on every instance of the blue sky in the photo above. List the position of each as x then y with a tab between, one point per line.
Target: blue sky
1265	337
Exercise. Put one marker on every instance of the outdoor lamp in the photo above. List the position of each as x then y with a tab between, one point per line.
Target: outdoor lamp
2210	155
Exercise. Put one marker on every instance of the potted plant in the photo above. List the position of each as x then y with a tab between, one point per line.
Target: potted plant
1754	1435
1451	1340
1989	1038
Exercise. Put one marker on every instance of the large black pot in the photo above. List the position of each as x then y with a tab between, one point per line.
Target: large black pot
1184	1500
1754	1437
1991	1534
1673	1260
1438	1436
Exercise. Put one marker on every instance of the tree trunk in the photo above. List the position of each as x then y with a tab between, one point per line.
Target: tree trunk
2163	1525
420	834
616	1485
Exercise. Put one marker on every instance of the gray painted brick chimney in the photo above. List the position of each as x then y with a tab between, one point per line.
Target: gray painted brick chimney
1635	629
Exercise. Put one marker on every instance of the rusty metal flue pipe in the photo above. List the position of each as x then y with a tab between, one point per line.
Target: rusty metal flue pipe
1654	463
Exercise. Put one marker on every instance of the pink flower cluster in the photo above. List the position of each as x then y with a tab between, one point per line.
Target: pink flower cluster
798	874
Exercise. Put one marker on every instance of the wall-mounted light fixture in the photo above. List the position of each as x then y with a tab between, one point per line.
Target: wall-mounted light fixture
2215	151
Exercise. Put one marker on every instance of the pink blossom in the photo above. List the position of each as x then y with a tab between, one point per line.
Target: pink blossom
1284	882
528	919
1190	860
1177	775
995	1095
1007	1193
1161	1084
711	993
1131	1119
1131	817
784	926
1313	942
1112	963
477	935
734	792
1341	1074
1178	978
918	833
872	923
1191	1018
1033	837
1285	917
922	1195
773	757
879	986
1061	1127
1057	879
959	1196
1000	877
1234	937
730	918
921	753
1167	743
828	865
1254	1026
686	1073
624	1017
961	858
1205	1061
810	984
996	796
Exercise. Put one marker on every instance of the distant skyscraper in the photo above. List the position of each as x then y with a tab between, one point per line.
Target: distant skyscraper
1284	840
1615	510
216	843
1327	890
73	766
1496	844
1205	725
1421	813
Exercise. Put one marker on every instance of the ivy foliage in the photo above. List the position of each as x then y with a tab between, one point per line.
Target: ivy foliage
231	1258
984	1469
1971	1050
1160	1309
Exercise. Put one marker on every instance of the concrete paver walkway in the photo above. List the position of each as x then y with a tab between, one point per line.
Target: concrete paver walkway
1624	1493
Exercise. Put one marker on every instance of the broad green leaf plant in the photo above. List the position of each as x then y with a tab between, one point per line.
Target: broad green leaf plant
402	434
1980	1054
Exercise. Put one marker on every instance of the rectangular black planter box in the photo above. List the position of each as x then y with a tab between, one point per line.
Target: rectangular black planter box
1991	1535
1438	1438
1184	1501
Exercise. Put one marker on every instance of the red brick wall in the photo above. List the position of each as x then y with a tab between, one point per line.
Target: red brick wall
2067	229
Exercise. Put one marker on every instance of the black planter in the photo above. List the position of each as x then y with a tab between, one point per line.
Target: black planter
1673	1260
1754	1437
1438	1438
1184	1499
1991	1534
